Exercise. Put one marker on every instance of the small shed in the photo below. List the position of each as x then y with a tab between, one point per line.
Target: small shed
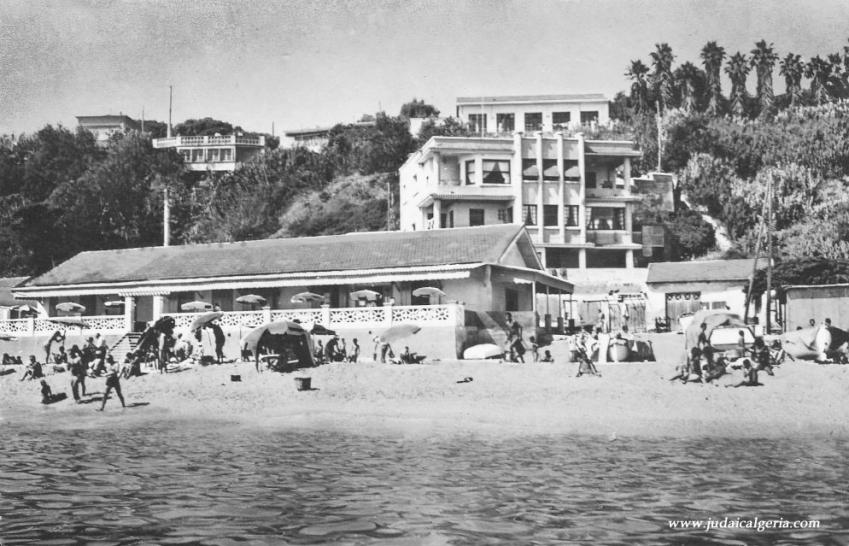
818	302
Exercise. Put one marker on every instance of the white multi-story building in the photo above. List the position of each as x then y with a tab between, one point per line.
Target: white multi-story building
530	113
574	195
103	127
213	153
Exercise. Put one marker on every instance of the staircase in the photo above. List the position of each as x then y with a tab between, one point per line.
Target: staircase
124	345
489	330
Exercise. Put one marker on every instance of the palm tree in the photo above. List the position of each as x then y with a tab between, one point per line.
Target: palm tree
687	75
712	57
738	70
763	61
837	82
662	79
792	68
819	71
639	88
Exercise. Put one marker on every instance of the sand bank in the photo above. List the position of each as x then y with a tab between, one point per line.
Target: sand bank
630	399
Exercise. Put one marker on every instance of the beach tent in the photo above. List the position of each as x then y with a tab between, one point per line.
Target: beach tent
803	343
722	330
278	337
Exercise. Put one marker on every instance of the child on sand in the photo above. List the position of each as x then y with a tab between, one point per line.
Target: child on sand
34	370
750	376
534	349
547	357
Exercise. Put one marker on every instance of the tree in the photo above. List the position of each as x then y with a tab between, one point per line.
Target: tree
662	79
444	127
819	71
738	70
205	127
418	109
638	72
689	79
763	61
712	57
792	68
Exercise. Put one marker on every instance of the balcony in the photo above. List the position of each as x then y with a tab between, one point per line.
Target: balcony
201	141
608	238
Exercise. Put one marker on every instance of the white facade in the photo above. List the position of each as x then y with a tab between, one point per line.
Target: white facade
574	196
530	113
213	153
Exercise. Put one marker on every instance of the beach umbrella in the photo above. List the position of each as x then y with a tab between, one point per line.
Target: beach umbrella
319	330
367	294
205	319
401	331
69	321
428	291
306	297
70	307
251	299
114	303
196	306
280	327
25	308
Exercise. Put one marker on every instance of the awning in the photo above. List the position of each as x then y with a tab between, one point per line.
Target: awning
573	172
551	172
530	172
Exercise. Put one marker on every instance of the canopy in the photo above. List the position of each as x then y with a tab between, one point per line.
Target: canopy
205	319
196	306
70	307
114	303
306	297
428	291
251	299
713	320
399	332
25	308
367	294
281	327
319	330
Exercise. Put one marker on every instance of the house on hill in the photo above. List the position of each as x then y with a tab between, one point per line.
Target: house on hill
103	127
483	271
680	288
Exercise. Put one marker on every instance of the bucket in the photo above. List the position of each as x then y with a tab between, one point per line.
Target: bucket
303	383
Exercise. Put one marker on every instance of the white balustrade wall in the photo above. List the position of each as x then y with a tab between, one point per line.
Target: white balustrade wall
381	316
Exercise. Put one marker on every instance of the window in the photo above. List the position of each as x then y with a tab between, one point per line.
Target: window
505	216
570	215
549	215
496	171
226	154
450	218
506	122
605	218
561	257
511	300
533	121
443	218
549	170
475	217
213	154
477	123
571	170
561	120
187	155
470	171
590	179
529	213
590	116
529	169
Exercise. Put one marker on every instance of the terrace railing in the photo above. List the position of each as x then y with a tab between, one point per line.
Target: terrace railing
105	324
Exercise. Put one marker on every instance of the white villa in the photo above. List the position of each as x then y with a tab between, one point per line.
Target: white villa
484	272
213	153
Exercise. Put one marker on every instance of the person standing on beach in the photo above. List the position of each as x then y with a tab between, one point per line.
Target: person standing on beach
354	355
218	334
534	349
78	373
57	337
112	382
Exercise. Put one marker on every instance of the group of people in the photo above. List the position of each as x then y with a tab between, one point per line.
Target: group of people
515	348
336	350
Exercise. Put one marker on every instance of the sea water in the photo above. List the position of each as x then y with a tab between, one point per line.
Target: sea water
180	483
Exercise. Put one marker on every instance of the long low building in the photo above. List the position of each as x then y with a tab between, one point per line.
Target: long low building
484	272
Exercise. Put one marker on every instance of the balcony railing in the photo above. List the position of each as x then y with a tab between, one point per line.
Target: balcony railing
350	317
602	238
200	141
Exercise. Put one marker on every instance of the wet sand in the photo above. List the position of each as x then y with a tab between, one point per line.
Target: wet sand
630	399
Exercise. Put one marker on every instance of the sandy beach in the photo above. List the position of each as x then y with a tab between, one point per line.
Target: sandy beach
630	399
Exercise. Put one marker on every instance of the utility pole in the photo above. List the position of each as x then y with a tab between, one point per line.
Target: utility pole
166	218
659	139
768	254
170	102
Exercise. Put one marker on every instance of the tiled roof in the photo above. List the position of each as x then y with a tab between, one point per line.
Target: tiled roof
6	285
533	98
702	271
354	251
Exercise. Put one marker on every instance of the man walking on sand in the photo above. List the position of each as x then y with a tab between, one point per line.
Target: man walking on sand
112	382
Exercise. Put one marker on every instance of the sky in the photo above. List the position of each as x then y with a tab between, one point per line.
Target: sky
308	63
